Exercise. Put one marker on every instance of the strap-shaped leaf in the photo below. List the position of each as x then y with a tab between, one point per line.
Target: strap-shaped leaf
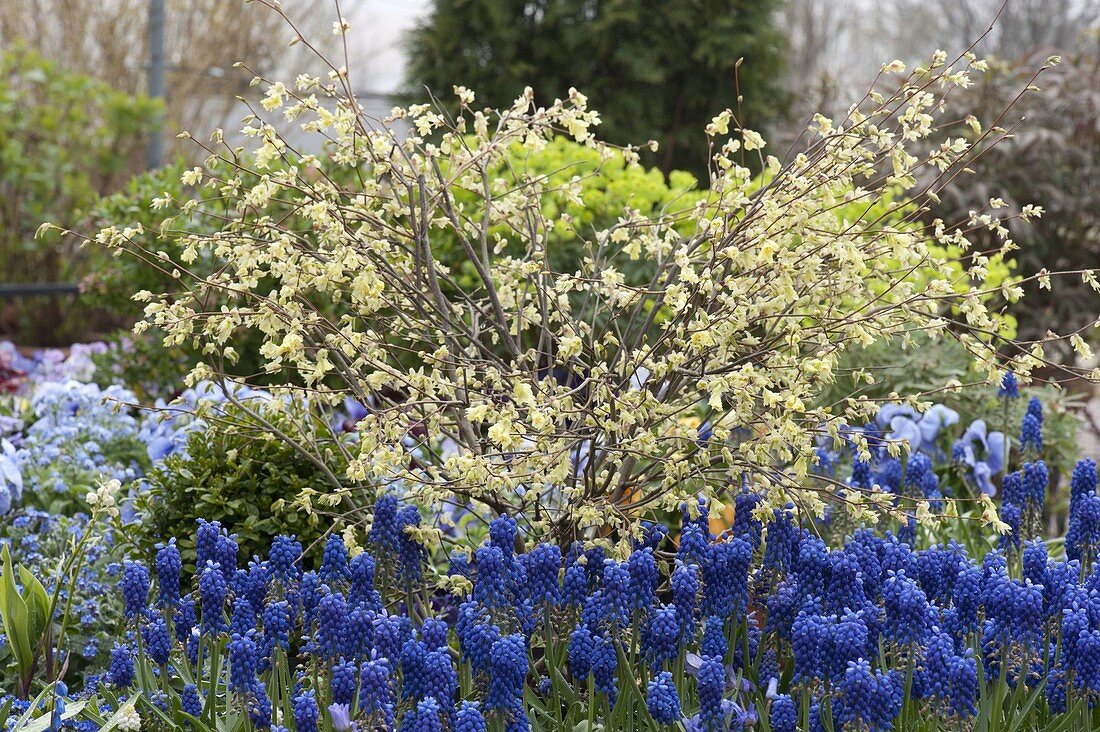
16	616
42	723
38	603
5	711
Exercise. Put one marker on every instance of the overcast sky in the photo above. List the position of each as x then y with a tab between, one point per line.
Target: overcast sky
378	27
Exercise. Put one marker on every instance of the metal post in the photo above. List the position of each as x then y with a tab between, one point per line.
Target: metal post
155	154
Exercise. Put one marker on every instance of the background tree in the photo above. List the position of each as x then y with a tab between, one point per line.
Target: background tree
1052	159
75	125
203	41
1022	26
819	36
656	70
836	48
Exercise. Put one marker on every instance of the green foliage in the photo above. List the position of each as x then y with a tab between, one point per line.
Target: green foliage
151	370
656	70
65	139
25	608
247	480
926	365
608	187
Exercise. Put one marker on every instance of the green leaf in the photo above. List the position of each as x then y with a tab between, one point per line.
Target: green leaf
43	723
1023	713
38	601
16	616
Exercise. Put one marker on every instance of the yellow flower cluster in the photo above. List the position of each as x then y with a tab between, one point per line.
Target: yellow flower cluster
570	394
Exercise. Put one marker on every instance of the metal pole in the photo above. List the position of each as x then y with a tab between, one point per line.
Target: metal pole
35	289
155	154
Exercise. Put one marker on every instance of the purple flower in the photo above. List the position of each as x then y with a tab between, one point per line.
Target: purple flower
342	682
242	662
661	636
507	671
334	564
784	714
157	644
1009	388
283	558
135	588
305	711
121	670
468	718
212	593
168	566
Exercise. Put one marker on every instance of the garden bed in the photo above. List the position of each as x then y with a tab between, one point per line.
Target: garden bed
708	622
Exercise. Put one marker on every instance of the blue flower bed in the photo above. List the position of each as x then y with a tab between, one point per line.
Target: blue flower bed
760	621
774	622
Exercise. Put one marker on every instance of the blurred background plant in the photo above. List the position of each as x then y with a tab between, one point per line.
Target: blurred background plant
76	435
205	39
65	138
152	370
1052	159
604	186
75	125
655	70
926	365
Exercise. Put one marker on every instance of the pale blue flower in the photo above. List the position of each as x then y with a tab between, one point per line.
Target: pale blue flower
902	422
11	477
983	452
340	714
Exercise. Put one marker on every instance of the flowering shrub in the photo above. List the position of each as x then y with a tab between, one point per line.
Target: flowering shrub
563	394
68	138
